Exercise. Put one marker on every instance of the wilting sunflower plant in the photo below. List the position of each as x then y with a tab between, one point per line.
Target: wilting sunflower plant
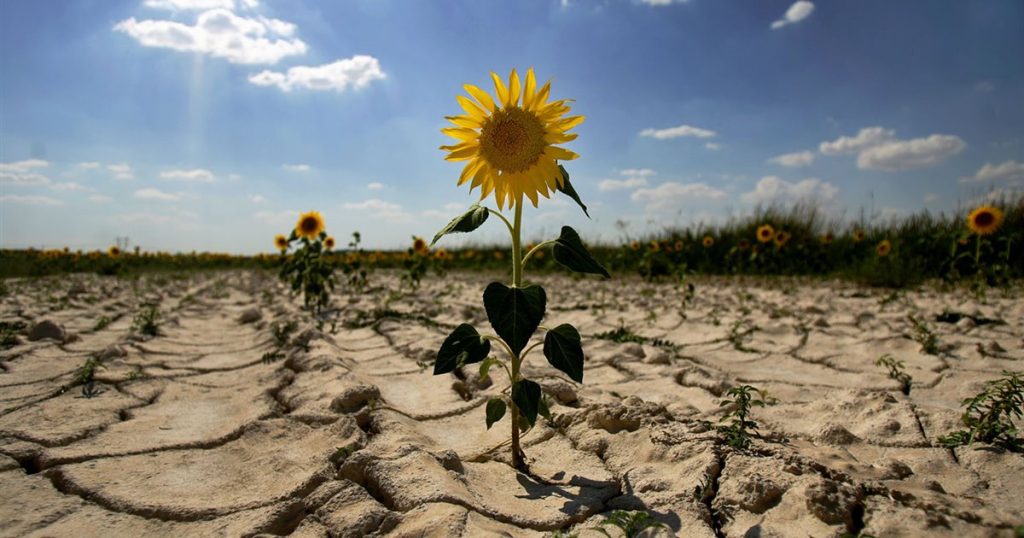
509	146
416	262
308	269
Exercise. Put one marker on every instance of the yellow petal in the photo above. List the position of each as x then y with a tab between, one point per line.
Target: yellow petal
470	170
464	121
530	89
556	137
462	153
481	96
561	154
462	133
567	123
499	88
471	108
513	89
542	95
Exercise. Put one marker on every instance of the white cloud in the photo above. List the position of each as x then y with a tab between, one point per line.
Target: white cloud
121	171
866	138
713	146
797	12
297	167
658	3
997	195
375	186
676	132
984	86
637	172
257	198
155	194
378	208
189	5
221	34
100	199
930	197
197	175
794	160
356	73
772	189
671	194
277	218
618	184
907	154
988	172
30	200
89	165
69	186
23	174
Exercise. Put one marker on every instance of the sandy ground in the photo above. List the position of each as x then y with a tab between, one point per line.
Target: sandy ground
194	434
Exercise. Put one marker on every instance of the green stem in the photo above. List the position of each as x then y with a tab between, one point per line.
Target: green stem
517	281
536	248
977	252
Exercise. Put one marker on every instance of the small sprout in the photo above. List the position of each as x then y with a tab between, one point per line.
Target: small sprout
272	356
896	372
923	335
282	332
341	454
85	375
102	323
632	524
740	429
738	334
989	416
146	321
9	333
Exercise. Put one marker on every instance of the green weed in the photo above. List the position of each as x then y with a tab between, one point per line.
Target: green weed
989	416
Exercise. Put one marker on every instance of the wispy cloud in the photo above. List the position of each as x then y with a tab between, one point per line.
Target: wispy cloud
632	178
377	208
375	186
155	194
23	173
296	167
878	148
353	73
794	160
671	194
122	171
676	132
197	175
29	199
797	12
773	189
988	172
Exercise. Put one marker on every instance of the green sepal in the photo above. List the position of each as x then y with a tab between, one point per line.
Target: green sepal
473	218
526	395
570	252
564	351
514	313
463	346
495	410
566	188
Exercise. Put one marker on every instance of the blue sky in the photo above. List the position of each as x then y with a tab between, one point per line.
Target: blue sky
209	124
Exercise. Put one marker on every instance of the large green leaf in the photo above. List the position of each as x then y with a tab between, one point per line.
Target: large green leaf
570	252
514	313
564	351
526	396
463	346
495	410
567	189
472	219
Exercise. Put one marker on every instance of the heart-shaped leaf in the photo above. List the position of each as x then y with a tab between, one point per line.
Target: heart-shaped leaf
570	252
566	188
463	346
473	218
495	410
526	396
564	351
514	313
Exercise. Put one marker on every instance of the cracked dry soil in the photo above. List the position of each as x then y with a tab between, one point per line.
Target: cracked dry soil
198	432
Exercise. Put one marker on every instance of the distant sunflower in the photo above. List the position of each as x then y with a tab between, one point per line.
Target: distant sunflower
679	245
858	236
985	220
419	246
113	252
510	144
883	248
781	238
708	241
743	244
827	239
281	242
655	246
765	233
635	245
329	242
441	254
310	225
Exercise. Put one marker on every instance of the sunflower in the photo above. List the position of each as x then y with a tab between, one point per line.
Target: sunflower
827	239
329	242
419	246
113	252
655	246
883	248
441	254
985	220
858	236
635	245
310	225
781	238
510	144
281	242
765	233
679	244
708	241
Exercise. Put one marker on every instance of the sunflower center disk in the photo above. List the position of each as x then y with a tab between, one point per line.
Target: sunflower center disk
309	225
512	140
984	219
